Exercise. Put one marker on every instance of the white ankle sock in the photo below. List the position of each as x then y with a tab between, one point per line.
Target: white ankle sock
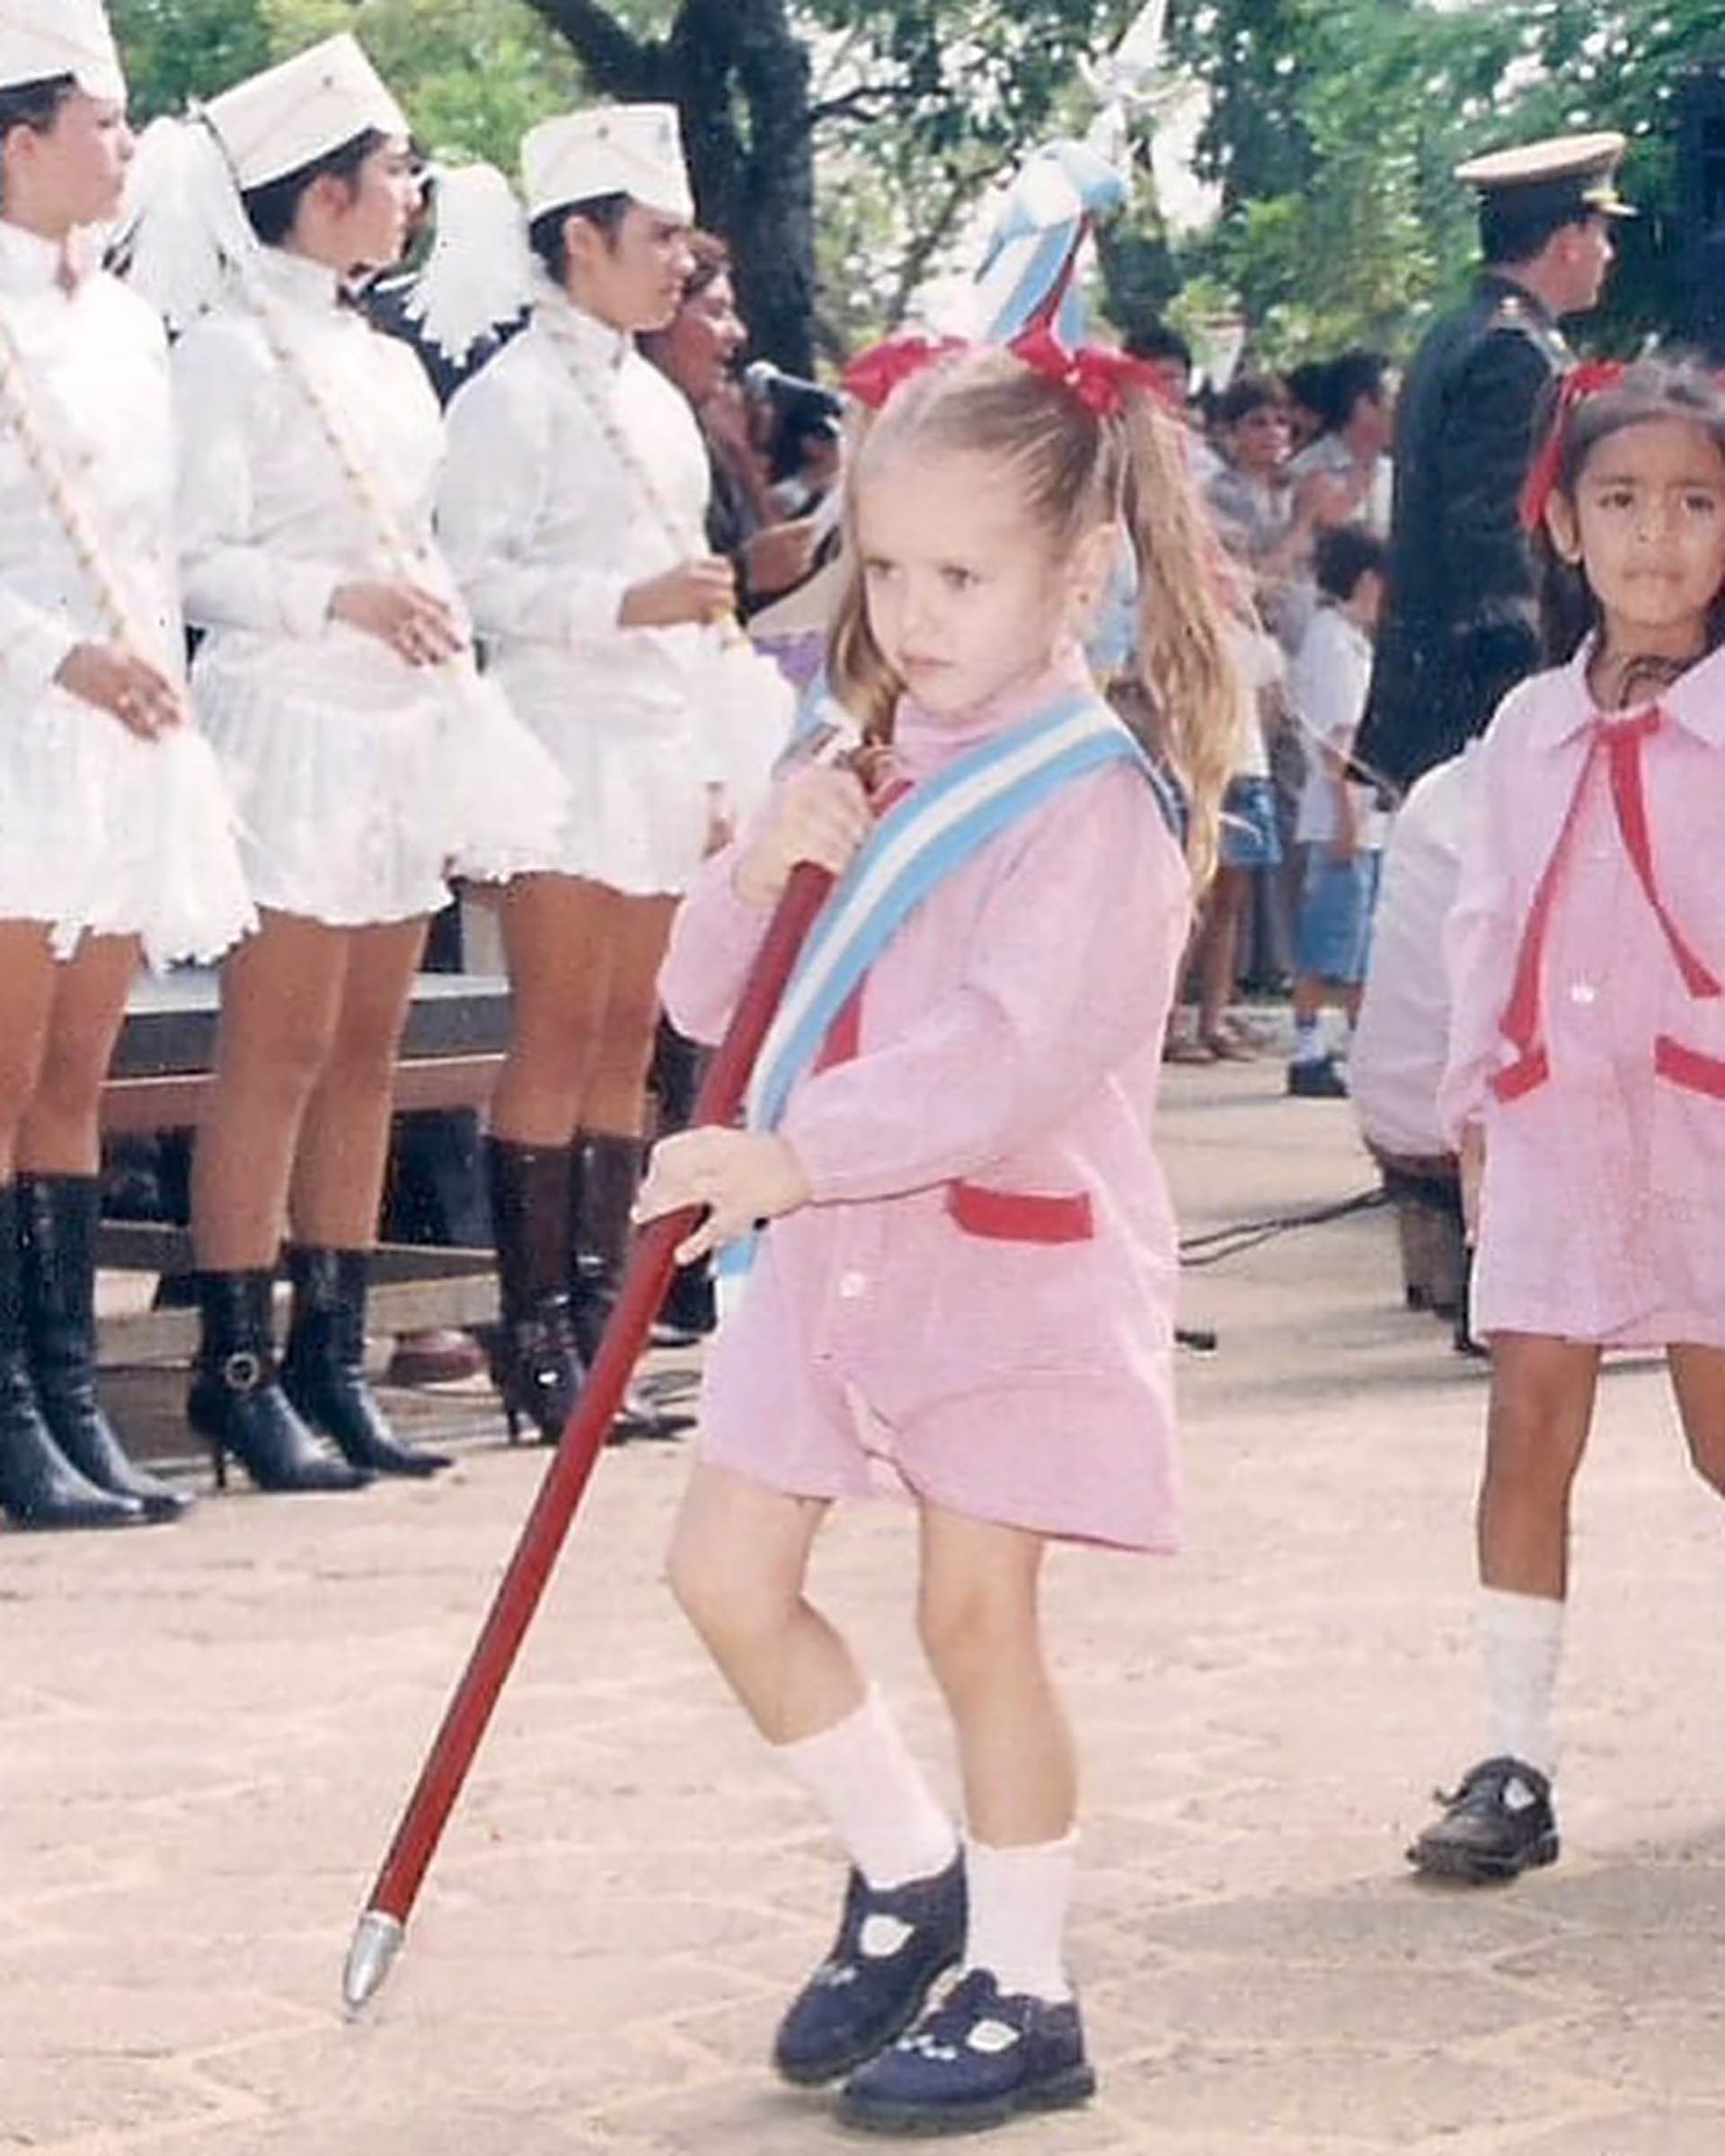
1521	1642
861	1774
1308	1040
1019	1897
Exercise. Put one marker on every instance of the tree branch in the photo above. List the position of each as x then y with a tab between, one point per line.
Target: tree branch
863	103
616	62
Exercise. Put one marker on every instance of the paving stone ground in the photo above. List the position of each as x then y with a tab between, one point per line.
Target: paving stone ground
207	1733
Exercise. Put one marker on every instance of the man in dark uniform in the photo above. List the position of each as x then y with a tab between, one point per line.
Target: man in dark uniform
1459	629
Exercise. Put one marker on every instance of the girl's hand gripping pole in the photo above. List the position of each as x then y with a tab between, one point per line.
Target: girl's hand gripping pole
378	1937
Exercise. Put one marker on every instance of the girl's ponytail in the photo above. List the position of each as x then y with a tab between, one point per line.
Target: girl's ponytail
1185	663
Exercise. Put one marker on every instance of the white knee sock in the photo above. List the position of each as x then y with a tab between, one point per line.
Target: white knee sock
861	1774
1018	1899
1521	1642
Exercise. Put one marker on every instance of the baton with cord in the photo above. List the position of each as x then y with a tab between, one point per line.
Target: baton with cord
378	1936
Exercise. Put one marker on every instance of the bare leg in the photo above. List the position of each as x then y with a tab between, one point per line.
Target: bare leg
738	1563
1698	1380
1536	1430
27	985
281	995
614	1098
557	939
980	1625
58	1134
338	1172
1218	939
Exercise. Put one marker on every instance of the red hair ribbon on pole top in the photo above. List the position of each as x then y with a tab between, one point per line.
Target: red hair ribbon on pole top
1541	483
1099	378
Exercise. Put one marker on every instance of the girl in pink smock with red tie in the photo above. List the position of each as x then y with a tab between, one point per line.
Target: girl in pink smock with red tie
1586	1079
963	1282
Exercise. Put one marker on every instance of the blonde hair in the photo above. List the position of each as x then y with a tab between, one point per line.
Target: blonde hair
1076	470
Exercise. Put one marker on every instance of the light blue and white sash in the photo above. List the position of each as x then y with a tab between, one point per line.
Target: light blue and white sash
923	838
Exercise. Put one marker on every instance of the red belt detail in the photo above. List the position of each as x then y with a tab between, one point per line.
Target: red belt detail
1620	742
1021	1215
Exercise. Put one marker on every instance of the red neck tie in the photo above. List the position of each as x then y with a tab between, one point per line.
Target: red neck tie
1619	741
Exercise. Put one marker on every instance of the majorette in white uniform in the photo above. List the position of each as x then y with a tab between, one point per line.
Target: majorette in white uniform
311	447
101	830
576	470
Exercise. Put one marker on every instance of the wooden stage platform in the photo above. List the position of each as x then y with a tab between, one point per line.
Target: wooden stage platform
161	1080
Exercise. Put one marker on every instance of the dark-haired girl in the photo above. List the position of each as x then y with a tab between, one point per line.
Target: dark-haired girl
329	677
1586	1081
574	511
115	828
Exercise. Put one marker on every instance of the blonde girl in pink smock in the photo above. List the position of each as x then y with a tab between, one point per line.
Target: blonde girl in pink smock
967	1287
1586	1080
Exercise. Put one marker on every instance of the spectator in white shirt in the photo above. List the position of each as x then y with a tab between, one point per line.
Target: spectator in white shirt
1338	823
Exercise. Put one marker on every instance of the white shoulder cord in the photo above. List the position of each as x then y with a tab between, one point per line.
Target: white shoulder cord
23	414
404	555
682	536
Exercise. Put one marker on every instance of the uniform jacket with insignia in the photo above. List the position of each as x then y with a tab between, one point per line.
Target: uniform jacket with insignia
1460	627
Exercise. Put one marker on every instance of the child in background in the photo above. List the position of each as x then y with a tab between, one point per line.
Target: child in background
1339	825
1585	1088
967	1287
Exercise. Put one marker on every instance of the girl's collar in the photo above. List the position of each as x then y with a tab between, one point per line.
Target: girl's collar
599	343
301	280
1695	700
928	739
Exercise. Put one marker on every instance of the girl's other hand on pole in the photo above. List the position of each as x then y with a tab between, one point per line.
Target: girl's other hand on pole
819	814
115	680
738	1177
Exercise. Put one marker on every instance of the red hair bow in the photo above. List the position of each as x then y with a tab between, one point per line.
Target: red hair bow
1581	382
873	375
1098	377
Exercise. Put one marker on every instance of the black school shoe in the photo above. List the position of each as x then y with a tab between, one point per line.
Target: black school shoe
858	2001
1498	1823
976	2059
1316	1078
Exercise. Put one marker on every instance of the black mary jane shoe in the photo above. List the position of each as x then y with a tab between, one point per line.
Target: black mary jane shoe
892	1944
1496	1825
975	2059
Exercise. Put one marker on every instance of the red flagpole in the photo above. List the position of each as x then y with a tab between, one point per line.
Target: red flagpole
378	1936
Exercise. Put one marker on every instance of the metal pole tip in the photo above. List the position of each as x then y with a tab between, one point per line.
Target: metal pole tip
376	1941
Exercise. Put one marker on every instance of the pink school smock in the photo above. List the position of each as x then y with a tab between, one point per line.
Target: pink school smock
979	1303
1593	1051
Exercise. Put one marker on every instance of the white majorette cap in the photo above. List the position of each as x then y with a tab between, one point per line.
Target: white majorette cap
291	115
633	150
1561	171
39	42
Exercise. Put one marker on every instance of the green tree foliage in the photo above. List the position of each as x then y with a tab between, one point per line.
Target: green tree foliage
473	75
1335	125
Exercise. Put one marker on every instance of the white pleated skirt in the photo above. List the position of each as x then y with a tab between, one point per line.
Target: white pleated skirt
640	774
356	802
104	833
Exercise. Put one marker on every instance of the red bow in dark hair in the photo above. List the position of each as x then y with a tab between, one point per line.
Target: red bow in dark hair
1581	382
1099	379
873	375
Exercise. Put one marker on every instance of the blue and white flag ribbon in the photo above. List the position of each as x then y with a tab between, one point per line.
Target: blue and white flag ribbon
933	831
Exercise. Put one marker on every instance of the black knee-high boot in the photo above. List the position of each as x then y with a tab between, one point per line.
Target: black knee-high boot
606	1175
323	1370
537	1360
236	1402
58	1220
40	1488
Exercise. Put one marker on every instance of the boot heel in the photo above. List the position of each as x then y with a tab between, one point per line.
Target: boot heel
238	1405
